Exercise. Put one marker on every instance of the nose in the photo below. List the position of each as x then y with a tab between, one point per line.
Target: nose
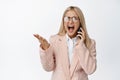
71	20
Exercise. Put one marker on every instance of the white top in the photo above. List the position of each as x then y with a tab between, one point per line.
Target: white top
71	43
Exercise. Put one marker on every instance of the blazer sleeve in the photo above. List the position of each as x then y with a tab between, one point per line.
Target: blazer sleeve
47	57
87	57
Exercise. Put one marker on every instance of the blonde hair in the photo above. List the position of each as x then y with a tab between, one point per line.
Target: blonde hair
82	24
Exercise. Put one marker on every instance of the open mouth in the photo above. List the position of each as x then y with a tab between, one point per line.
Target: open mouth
70	28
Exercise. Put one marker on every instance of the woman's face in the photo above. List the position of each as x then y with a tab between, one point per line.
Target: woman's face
71	23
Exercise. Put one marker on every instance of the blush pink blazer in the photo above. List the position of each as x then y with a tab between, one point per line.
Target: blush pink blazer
56	59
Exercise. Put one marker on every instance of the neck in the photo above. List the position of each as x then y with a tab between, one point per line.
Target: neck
73	36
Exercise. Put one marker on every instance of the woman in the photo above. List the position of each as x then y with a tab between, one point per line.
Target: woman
71	54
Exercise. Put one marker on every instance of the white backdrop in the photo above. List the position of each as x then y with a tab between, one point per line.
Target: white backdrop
20	19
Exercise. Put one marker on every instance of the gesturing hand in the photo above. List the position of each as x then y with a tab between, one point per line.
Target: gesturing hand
44	43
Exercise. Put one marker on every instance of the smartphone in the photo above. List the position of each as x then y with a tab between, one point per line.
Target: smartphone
79	30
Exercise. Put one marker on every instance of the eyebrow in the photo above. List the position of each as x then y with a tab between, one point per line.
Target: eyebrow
72	16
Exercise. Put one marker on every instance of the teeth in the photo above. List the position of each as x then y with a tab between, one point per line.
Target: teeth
70	27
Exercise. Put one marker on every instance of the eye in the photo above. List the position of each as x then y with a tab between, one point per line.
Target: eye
74	19
66	19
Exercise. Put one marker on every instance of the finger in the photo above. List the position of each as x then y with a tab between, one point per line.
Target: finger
36	35
82	30
42	40
80	36
39	37
80	33
84	34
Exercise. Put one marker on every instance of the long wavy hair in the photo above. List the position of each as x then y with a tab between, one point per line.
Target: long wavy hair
78	11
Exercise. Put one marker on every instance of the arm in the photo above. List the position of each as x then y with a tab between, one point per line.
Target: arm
47	57
87	57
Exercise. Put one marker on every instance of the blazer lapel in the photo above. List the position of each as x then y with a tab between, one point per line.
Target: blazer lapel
73	64
74	61
64	55
67	67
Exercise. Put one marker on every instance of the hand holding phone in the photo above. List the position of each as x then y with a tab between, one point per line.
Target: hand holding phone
79	30
81	33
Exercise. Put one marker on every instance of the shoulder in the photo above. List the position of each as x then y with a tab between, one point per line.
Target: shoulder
93	43
55	37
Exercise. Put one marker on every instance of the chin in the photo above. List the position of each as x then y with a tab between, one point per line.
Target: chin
71	35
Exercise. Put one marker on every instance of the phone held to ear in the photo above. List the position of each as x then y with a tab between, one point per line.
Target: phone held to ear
79	30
